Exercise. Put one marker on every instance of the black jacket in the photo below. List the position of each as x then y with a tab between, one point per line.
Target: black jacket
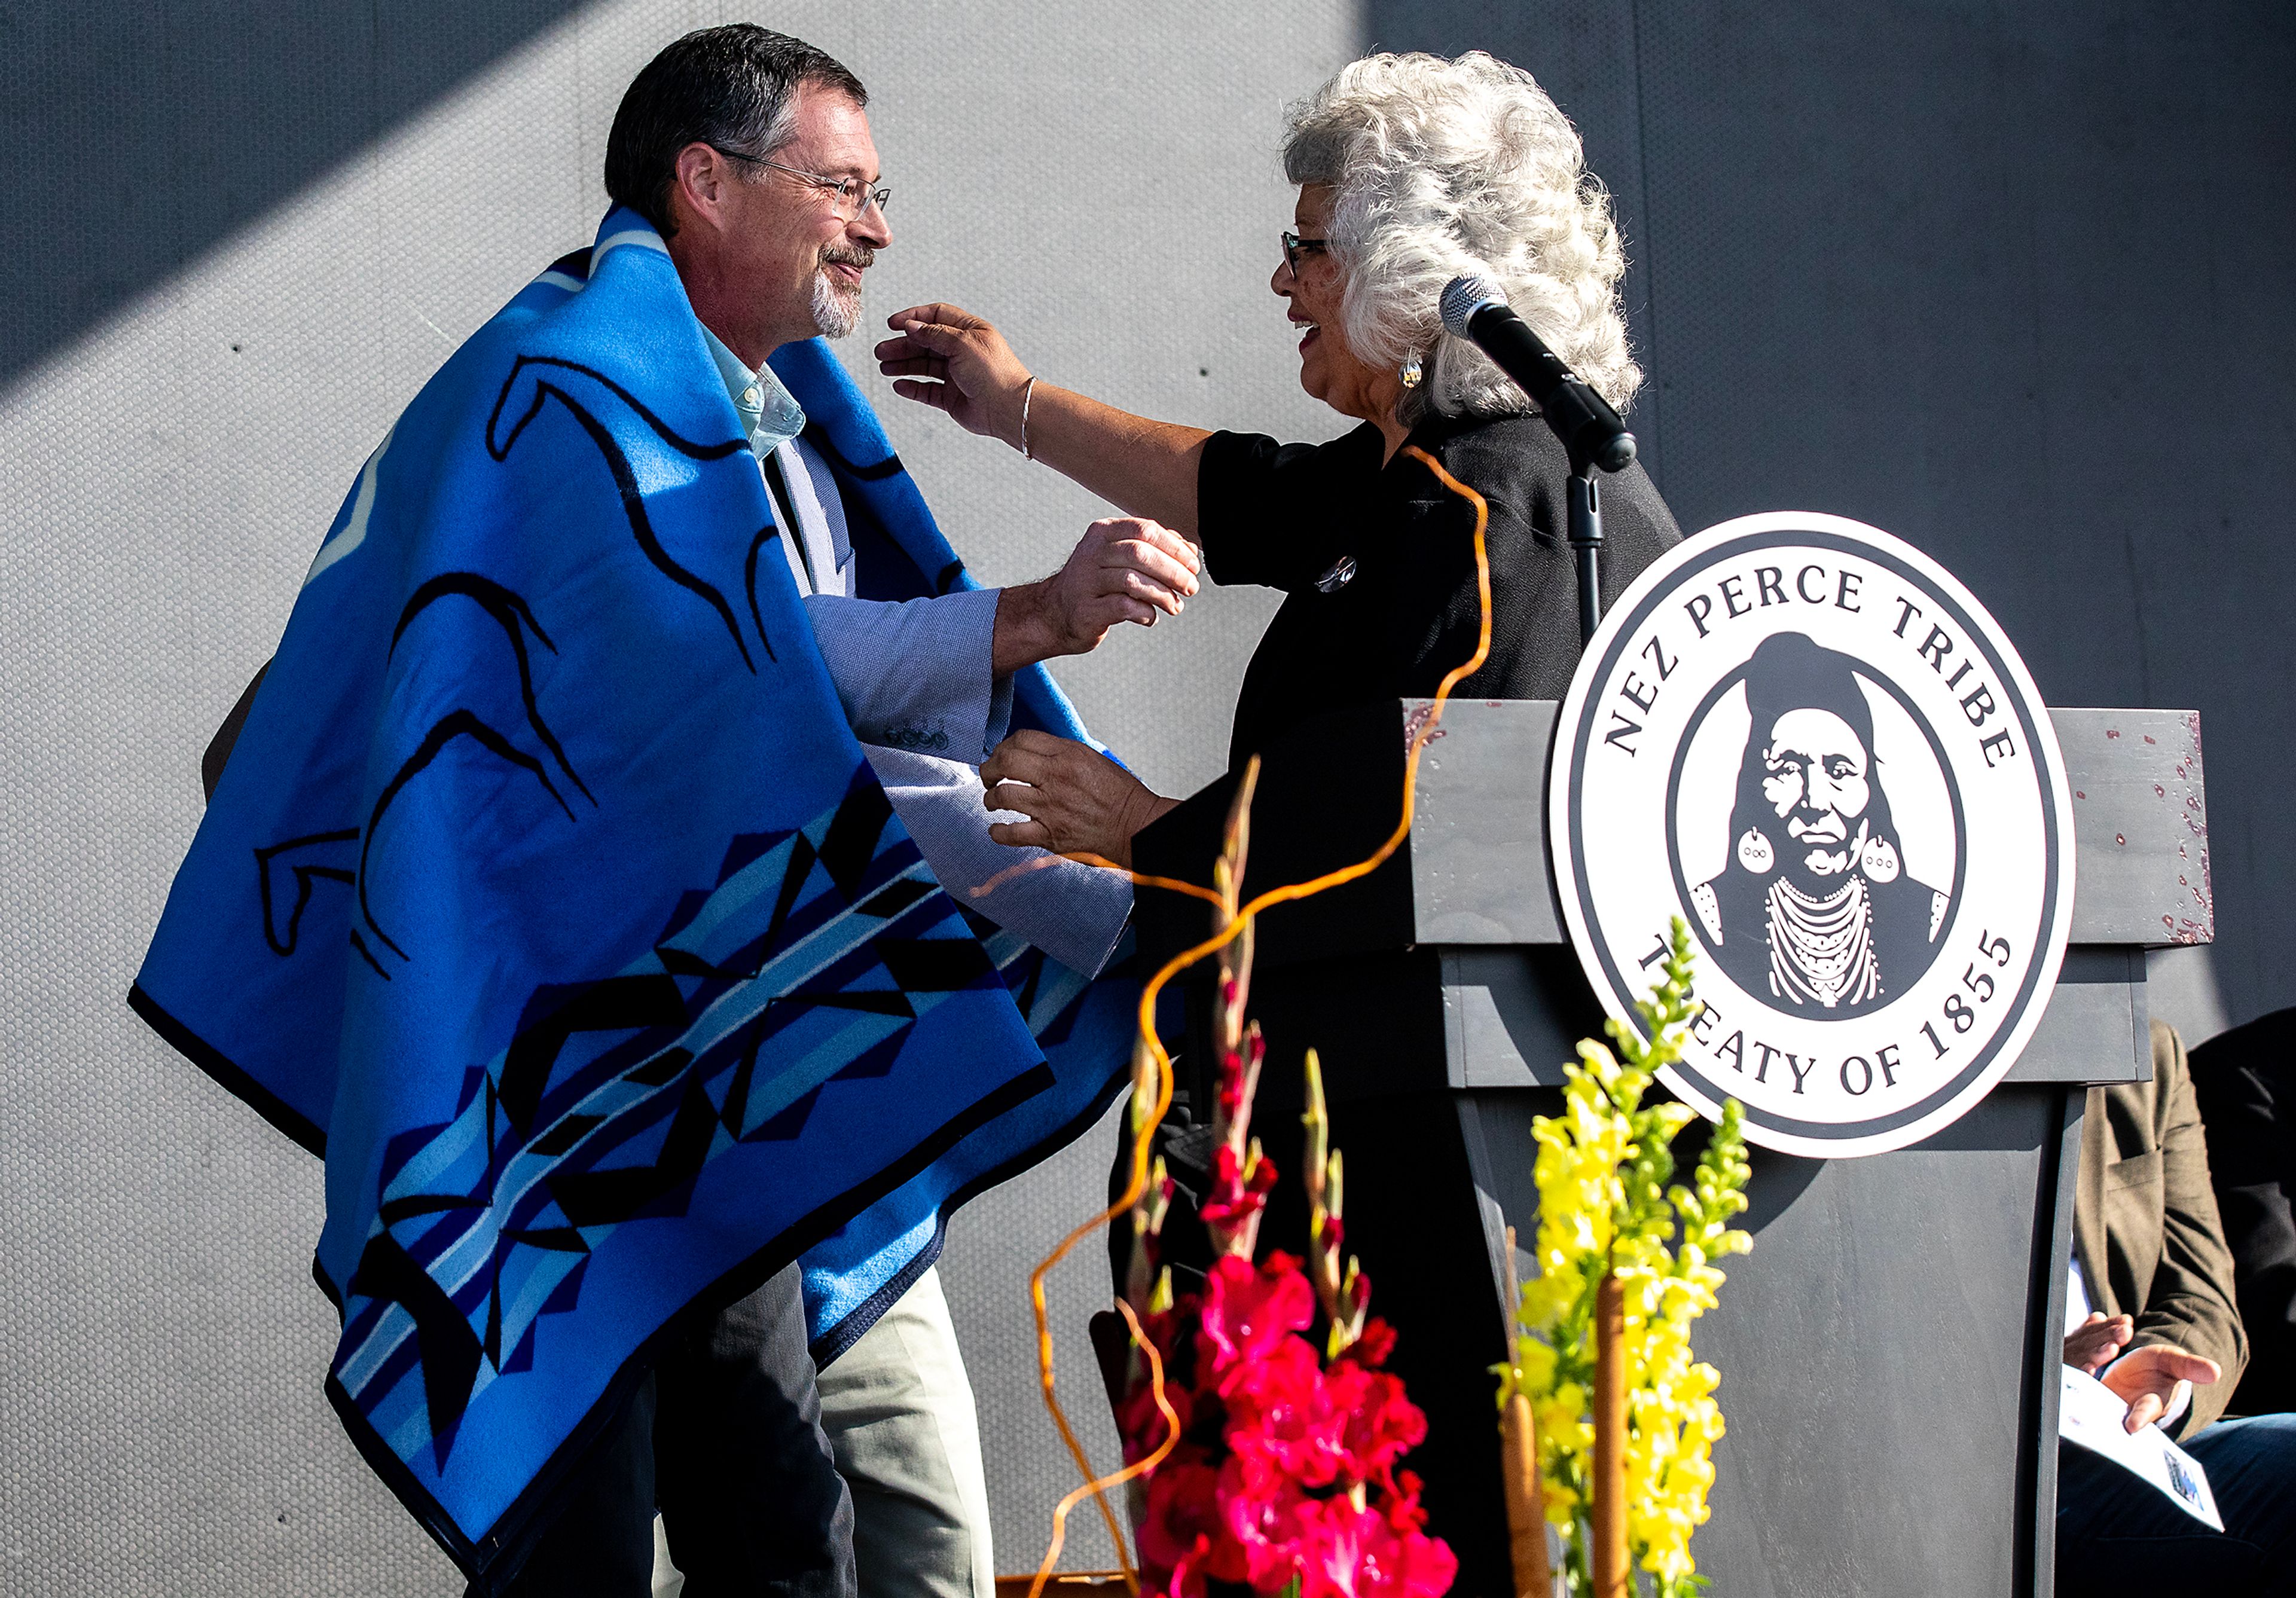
1289	516
2244	1081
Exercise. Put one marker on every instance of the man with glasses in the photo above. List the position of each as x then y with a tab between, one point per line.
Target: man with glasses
770	204
749	154
581	937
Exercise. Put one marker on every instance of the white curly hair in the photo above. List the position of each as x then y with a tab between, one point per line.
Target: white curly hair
1445	167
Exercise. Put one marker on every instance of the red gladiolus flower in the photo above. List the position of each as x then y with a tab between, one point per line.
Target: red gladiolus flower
1378	1424
1266	1519
1372	1348
1246	1311
1364	1554
1142	1426
1184	1580
1231	1199
1258	1494
1282	1417
1183	1526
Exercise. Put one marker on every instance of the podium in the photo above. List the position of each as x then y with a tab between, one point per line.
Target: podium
1890	1349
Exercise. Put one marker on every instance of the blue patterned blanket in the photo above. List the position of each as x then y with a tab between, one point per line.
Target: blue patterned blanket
548	896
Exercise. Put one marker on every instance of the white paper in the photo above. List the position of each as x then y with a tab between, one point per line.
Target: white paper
2093	1415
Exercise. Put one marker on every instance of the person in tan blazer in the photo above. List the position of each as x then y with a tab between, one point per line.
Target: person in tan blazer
2150	1250
2151	1314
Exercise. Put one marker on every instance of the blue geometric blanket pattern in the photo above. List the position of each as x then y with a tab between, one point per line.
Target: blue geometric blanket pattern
548	896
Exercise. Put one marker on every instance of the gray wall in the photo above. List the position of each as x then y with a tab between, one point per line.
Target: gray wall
2013	283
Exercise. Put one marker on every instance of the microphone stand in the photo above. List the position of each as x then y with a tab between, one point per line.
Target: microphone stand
1591	432
1595	440
1584	523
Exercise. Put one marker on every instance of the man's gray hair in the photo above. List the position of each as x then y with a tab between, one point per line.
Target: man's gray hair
1445	167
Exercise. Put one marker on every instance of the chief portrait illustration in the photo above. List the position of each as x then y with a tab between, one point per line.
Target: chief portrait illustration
1815	908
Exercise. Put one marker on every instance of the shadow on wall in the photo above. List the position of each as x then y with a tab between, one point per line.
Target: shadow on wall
141	136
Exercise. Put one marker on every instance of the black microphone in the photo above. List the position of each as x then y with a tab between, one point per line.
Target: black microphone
1589	428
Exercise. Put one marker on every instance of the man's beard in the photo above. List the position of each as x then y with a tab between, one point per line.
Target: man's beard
837	311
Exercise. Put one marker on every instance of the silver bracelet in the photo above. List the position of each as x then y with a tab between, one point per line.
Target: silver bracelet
1027	395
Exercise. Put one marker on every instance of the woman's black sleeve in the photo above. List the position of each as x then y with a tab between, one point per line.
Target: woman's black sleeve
1275	514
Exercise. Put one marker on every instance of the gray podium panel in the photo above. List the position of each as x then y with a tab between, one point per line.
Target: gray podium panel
1890	1347
1479	871
2140	827
1479	830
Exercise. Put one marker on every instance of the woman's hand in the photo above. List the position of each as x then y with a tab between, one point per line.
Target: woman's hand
952	360
948	358
1078	800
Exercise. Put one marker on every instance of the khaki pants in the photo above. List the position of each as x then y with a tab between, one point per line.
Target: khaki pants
898	1413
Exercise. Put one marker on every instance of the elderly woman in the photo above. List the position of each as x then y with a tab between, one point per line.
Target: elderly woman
1411	169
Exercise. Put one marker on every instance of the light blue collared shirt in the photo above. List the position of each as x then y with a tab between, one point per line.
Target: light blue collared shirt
912	674
773	420
769	412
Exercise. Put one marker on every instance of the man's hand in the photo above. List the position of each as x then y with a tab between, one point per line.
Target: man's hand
2146	1379
1077	800
1124	568
952	360
2098	1341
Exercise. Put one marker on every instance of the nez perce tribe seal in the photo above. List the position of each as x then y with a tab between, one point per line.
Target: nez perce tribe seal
1809	741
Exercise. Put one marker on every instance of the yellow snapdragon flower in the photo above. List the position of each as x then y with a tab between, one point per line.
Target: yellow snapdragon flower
1607	1206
